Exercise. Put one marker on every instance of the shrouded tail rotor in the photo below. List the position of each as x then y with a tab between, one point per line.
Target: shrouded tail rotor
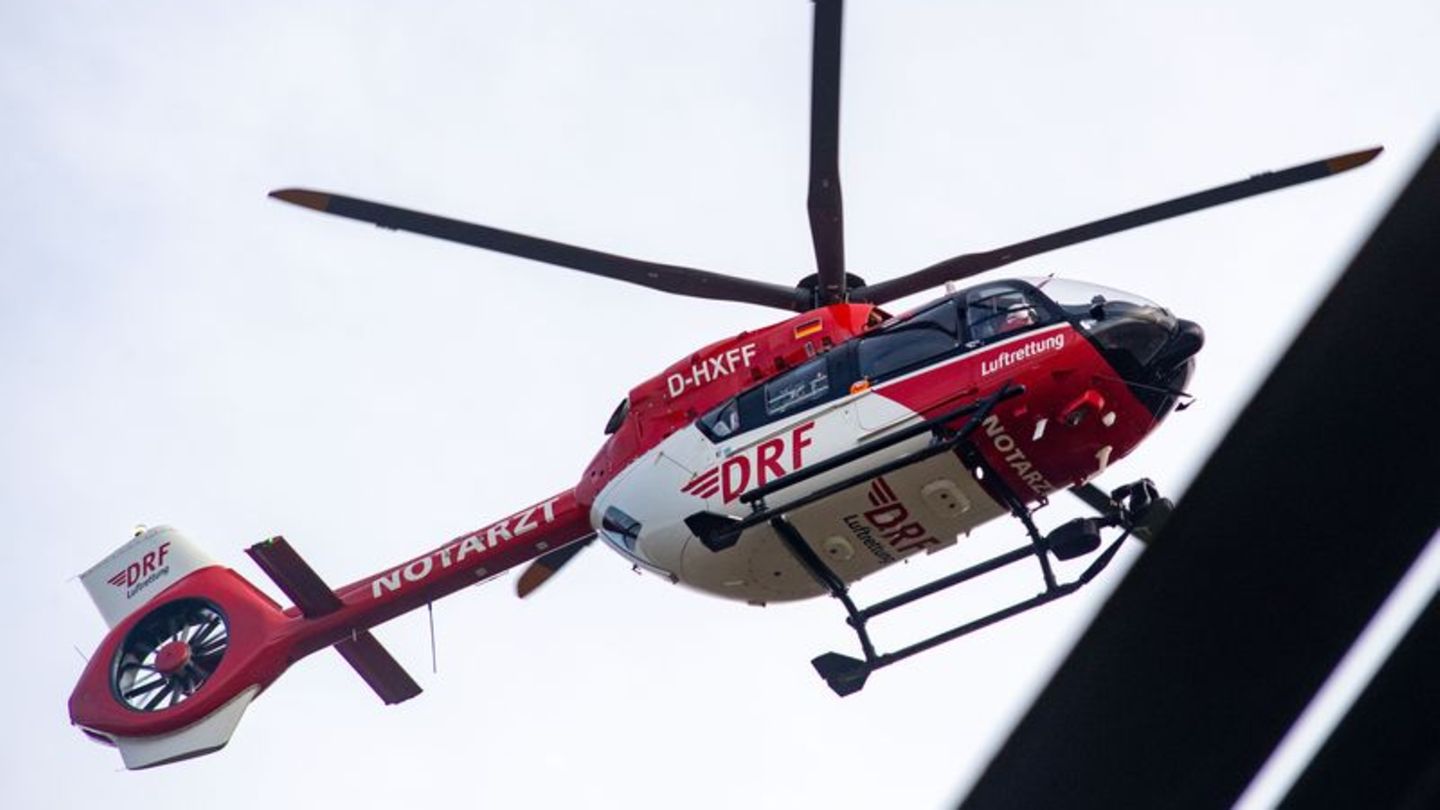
169	655
191	644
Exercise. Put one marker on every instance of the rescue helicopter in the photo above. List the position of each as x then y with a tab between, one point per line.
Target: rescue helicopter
783	463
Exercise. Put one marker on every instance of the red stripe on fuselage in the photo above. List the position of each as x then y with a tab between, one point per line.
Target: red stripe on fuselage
1055	365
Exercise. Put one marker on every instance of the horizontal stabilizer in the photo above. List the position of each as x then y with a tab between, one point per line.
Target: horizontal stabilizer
378	667
277	558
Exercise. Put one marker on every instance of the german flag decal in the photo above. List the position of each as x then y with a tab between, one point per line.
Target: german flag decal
808	328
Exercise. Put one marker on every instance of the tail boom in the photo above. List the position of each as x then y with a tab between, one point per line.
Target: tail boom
464	561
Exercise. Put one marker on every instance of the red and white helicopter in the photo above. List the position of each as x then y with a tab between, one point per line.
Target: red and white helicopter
782	463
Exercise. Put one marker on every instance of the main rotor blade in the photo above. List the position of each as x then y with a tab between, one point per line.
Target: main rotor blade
540	571
827	226
664	277
973	263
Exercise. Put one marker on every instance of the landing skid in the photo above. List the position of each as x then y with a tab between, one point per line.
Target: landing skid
1133	508
847	675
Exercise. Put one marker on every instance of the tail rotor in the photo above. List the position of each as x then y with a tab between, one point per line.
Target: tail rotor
169	655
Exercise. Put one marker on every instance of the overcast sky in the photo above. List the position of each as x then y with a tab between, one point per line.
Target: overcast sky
176	348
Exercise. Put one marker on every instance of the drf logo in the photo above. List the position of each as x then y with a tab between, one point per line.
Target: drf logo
761	464
148	564
891	519
710	369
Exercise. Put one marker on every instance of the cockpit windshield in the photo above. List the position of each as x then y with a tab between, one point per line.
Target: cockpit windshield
1131	329
1076	297
1093	303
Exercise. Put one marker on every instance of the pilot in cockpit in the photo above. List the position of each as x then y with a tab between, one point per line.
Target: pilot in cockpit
1000	315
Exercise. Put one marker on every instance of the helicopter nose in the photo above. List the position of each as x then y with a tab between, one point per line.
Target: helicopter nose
1168	372
1183	345
1152	350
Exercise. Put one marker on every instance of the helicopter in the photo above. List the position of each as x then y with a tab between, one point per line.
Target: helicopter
783	463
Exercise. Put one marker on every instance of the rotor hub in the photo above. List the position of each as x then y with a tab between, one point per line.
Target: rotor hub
810	292
172	657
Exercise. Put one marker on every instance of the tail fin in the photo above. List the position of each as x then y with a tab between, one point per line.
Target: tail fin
315	599
139	570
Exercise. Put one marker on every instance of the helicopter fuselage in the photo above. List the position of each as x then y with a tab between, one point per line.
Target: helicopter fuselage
1077	413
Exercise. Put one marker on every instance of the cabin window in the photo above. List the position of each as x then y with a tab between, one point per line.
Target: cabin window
799	388
812	383
921	338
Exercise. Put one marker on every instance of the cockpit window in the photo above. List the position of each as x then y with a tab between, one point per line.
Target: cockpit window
996	311
798	388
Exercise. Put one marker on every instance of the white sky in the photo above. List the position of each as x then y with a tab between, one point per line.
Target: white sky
176	348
